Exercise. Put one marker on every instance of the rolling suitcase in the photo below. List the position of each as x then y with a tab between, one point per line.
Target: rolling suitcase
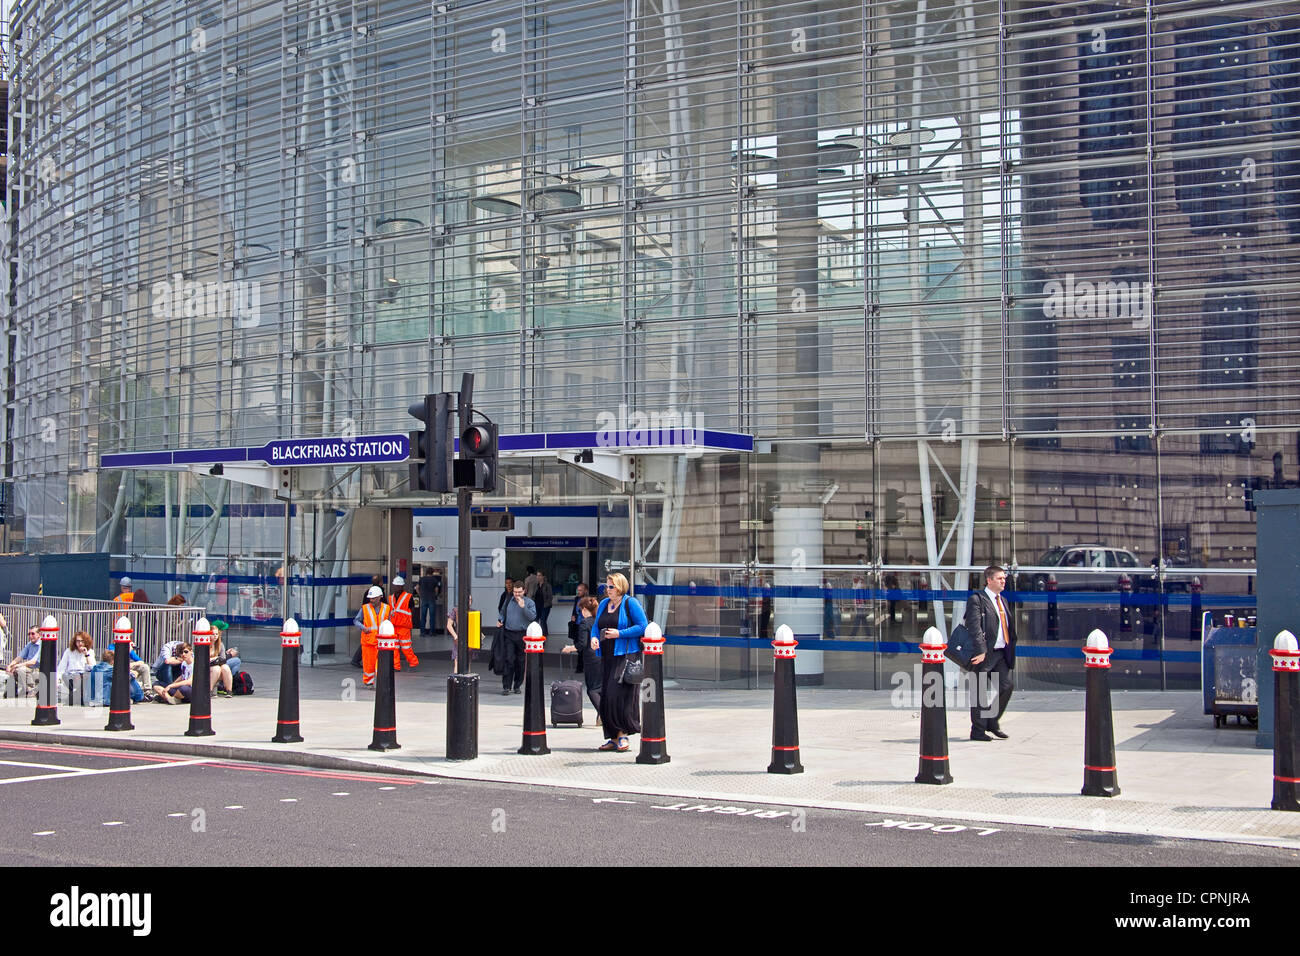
566	701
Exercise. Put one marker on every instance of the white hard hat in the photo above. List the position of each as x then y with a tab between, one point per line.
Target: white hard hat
398	581
374	592
126	582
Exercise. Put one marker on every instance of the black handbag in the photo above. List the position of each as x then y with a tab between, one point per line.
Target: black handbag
633	670
960	647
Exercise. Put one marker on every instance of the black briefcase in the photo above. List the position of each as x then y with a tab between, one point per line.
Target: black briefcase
960	647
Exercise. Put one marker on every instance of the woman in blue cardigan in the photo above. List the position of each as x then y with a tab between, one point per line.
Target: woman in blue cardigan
616	637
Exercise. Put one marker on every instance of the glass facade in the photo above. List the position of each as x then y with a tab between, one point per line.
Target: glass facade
986	281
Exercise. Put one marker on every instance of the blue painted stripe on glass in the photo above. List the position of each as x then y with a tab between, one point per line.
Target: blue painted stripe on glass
903	647
1090	598
243	620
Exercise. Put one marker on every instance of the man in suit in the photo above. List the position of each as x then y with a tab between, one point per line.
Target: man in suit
993	640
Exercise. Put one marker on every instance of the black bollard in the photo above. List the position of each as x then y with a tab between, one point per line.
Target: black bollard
462	717
47	692
933	767
286	721
119	702
1286	711
200	682
785	714
534	743
385	701
654	738
1099	779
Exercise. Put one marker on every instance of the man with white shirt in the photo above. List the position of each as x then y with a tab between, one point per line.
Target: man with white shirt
993	639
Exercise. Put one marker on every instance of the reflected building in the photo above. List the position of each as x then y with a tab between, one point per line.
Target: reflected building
985	281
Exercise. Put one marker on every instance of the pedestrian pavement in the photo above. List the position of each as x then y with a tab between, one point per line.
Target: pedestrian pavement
1180	777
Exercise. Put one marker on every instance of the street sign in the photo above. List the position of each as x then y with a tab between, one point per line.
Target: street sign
283	453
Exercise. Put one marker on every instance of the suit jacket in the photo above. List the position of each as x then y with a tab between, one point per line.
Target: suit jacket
982	623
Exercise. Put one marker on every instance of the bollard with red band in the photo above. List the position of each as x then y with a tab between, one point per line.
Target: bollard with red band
119	702
1099	775
201	682
385	737
785	713
933	766
286	721
47	693
654	738
1286	713
534	742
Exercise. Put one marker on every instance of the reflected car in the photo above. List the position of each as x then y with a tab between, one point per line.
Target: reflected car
1084	568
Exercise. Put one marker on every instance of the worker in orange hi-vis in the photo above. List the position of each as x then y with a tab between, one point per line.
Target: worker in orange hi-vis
373	613
128	594
399	603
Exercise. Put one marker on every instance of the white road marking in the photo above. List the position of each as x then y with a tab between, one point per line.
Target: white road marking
236	806
288	799
42	766
115	823
387	788
95	773
342	793
43	833
612	800
178	814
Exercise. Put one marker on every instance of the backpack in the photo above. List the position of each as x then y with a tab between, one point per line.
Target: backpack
242	683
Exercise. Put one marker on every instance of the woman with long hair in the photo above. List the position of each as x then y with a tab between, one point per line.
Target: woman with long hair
616	637
75	664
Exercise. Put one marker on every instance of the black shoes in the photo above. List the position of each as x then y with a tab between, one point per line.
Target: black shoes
979	735
1000	734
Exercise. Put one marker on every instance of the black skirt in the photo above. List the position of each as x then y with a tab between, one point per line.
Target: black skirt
620	704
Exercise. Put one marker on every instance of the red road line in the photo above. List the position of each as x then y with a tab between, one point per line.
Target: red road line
113	754
332	775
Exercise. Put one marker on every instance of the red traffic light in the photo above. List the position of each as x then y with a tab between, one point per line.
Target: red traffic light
476	440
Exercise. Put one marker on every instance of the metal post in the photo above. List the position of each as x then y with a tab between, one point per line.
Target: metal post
462	686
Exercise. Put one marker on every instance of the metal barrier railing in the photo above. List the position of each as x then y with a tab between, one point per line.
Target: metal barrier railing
57	602
153	624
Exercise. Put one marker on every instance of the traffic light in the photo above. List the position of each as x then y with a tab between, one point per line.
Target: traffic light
893	509
477	467
431	449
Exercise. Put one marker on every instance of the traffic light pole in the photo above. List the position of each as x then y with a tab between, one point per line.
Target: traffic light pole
462	686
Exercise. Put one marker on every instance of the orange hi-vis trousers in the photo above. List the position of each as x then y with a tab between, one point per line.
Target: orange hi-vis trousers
401	618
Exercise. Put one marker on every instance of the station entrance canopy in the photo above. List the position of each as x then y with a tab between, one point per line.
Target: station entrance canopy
607	453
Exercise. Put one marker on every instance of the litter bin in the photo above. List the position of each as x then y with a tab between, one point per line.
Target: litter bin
1230	674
